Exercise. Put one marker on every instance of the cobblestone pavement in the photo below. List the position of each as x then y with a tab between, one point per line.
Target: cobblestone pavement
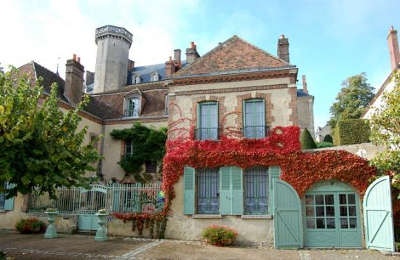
84	247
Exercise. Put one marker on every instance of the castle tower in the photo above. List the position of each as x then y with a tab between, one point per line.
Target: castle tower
112	58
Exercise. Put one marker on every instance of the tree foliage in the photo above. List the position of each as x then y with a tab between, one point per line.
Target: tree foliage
352	100
307	141
40	146
148	145
385	131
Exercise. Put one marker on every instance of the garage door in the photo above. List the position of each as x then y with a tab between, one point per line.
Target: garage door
332	216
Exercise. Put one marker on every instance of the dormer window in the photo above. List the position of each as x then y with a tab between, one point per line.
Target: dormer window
138	80
155	76
132	105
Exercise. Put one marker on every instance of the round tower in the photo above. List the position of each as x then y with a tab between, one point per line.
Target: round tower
112	57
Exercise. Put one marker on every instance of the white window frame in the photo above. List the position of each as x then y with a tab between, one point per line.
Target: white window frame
136	112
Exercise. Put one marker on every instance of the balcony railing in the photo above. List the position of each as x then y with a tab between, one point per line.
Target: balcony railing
254	131
207	133
131	113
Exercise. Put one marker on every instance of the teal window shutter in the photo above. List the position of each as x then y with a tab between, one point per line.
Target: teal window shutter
225	204
188	189
274	173
254	118
237	190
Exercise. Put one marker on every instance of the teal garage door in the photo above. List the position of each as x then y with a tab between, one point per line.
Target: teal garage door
332	216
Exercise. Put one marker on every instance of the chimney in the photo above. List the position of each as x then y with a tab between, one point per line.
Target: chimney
305	89
283	48
73	88
169	67
191	53
393	48
177	57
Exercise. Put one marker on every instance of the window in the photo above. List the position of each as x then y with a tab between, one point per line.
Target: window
151	166
132	107
254	118
207	121
128	147
155	77
207	191
256	191
348	212
320	211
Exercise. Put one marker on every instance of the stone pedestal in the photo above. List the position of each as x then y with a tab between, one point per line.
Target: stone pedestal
101	233
51	228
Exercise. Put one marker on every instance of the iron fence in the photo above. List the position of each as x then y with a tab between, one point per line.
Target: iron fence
114	198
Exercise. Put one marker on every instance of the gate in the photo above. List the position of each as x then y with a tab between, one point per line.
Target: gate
288	218
90	202
378	215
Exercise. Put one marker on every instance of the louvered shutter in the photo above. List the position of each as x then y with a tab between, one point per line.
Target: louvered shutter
225	204
274	172
237	190
189	190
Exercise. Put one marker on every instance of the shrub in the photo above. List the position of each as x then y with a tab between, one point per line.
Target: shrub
30	225
328	138
307	142
351	131
324	144
219	235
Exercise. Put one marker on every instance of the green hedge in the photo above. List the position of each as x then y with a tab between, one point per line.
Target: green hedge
306	140
351	131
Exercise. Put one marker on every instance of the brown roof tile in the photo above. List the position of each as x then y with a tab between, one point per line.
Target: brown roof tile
232	55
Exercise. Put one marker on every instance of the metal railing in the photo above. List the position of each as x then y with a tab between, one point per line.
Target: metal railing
115	198
207	133
259	131
130	113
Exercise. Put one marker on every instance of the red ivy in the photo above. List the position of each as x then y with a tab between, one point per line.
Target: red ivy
280	148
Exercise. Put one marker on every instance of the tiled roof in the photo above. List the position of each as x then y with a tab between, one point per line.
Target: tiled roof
144	72
232	55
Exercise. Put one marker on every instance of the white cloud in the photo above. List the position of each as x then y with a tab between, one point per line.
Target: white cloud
57	29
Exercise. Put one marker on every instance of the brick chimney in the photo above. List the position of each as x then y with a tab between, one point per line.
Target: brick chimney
305	89
73	88
169	67
393	48
283	48
191	53
177	57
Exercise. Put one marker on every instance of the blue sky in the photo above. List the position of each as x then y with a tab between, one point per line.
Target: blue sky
329	40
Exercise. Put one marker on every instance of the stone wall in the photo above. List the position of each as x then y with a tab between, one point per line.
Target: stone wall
365	150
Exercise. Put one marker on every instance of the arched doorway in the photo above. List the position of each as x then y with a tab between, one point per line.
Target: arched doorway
331	216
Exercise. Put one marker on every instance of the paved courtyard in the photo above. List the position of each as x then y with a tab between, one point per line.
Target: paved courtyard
84	247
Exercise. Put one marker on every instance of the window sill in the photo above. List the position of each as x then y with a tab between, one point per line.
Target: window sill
256	216
205	216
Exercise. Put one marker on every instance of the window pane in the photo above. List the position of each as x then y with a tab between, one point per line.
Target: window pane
330	211
352	211
342	198
319	199
329	199
320	211
310	223
352	199
310	212
256	190
309	199
343	211
353	222
320	223
344	223
330	223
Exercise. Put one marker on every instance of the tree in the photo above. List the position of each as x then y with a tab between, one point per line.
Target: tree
306	140
385	131
352	100
40	147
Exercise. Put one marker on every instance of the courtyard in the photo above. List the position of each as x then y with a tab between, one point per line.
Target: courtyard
79	246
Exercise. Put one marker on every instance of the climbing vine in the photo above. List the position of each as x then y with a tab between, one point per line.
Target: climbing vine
148	144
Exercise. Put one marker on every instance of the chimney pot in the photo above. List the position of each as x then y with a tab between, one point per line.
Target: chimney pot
283	48
74	57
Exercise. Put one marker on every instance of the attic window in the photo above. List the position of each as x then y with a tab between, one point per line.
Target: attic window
155	76
137	80
132	105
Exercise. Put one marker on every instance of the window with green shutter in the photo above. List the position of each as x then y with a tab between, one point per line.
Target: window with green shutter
256	189
207	183
207	121
254	118
189	190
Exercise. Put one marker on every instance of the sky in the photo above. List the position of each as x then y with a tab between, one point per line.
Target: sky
330	40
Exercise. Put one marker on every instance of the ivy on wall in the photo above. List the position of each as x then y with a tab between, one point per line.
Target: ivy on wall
148	145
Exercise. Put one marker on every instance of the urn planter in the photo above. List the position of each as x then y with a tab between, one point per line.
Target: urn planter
101	233
51	228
